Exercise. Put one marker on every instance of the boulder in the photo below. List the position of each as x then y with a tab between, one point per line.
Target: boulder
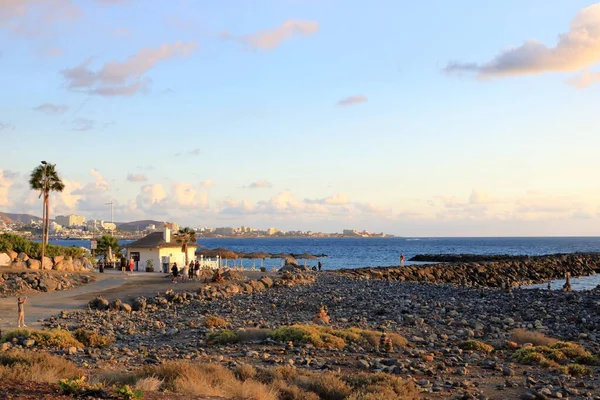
125	307
22	257
78	265
115	305
19	264
139	304
12	254
88	265
4	260
268	282
33	264
99	303
47	264
58	259
47	284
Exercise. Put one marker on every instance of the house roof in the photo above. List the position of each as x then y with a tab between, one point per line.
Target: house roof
155	239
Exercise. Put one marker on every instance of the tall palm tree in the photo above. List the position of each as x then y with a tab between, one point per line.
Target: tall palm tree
45	179
185	237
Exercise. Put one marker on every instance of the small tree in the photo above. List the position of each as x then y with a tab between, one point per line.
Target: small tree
106	242
185	237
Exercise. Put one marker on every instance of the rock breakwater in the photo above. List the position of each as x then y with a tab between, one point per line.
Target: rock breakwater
15	260
16	283
522	271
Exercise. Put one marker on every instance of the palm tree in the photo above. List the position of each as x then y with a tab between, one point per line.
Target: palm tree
106	242
45	179
185	237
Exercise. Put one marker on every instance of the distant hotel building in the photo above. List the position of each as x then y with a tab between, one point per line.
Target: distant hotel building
70	220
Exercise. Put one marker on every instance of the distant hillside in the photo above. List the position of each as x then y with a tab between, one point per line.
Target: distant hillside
137	225
23	218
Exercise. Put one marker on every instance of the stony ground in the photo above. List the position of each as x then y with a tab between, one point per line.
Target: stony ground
434	318
16	283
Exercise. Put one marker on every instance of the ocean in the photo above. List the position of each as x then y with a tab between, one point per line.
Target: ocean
365	252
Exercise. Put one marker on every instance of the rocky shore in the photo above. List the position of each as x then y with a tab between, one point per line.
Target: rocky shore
515	271
17	283
15	260
435	319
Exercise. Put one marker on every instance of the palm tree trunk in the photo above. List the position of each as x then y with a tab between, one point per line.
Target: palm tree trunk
47	201
185	250
43	234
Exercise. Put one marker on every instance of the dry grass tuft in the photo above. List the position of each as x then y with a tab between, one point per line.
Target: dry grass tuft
289	391
37	367
570	355
150	384
328	386
476	345
245	372
212	321
522	336
381	386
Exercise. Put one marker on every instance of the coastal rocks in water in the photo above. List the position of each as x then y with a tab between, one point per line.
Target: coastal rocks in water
488	274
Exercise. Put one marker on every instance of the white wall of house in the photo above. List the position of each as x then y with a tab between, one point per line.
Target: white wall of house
156	255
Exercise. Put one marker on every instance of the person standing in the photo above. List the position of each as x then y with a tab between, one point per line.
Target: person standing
131	264
320	265
175	272
21	309
402	260
197	269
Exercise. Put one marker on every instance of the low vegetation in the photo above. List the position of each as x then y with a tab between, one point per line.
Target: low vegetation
476	345
212	321
19	244
568	358
317	335
522	336
248	382
53	338
36	367
93	338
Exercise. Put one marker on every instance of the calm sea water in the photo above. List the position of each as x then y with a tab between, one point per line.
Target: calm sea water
360	252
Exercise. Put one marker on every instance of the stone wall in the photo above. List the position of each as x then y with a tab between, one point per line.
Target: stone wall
524	271
58	263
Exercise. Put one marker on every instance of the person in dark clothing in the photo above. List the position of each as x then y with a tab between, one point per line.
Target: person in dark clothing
197	269
175	272
320	266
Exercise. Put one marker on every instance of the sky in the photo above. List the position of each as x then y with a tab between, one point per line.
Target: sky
436	118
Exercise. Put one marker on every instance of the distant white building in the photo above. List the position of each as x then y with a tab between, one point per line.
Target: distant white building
70	220
55	227
159	247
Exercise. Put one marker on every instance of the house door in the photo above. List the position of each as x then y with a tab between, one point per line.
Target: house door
136	259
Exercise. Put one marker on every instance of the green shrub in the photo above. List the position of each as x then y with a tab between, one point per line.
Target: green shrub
129	394
318	336
53	338
79	386
93	338
558	353
19	244
476	345
223	337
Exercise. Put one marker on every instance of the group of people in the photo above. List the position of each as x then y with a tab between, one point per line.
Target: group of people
191	271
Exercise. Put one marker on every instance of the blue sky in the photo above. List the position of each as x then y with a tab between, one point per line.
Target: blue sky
415	118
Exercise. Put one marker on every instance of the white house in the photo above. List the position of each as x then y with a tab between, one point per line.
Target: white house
161	248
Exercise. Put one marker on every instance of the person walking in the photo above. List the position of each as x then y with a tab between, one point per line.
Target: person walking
175	272
131	264
21	309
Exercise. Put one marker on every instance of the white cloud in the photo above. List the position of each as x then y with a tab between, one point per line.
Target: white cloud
35	18
52	108
262	184
136	178
207	183
335	200
269	39
6	182
586	79
124	78
348	101
576	49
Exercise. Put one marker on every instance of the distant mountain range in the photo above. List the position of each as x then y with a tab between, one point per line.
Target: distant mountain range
122	226
23	218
